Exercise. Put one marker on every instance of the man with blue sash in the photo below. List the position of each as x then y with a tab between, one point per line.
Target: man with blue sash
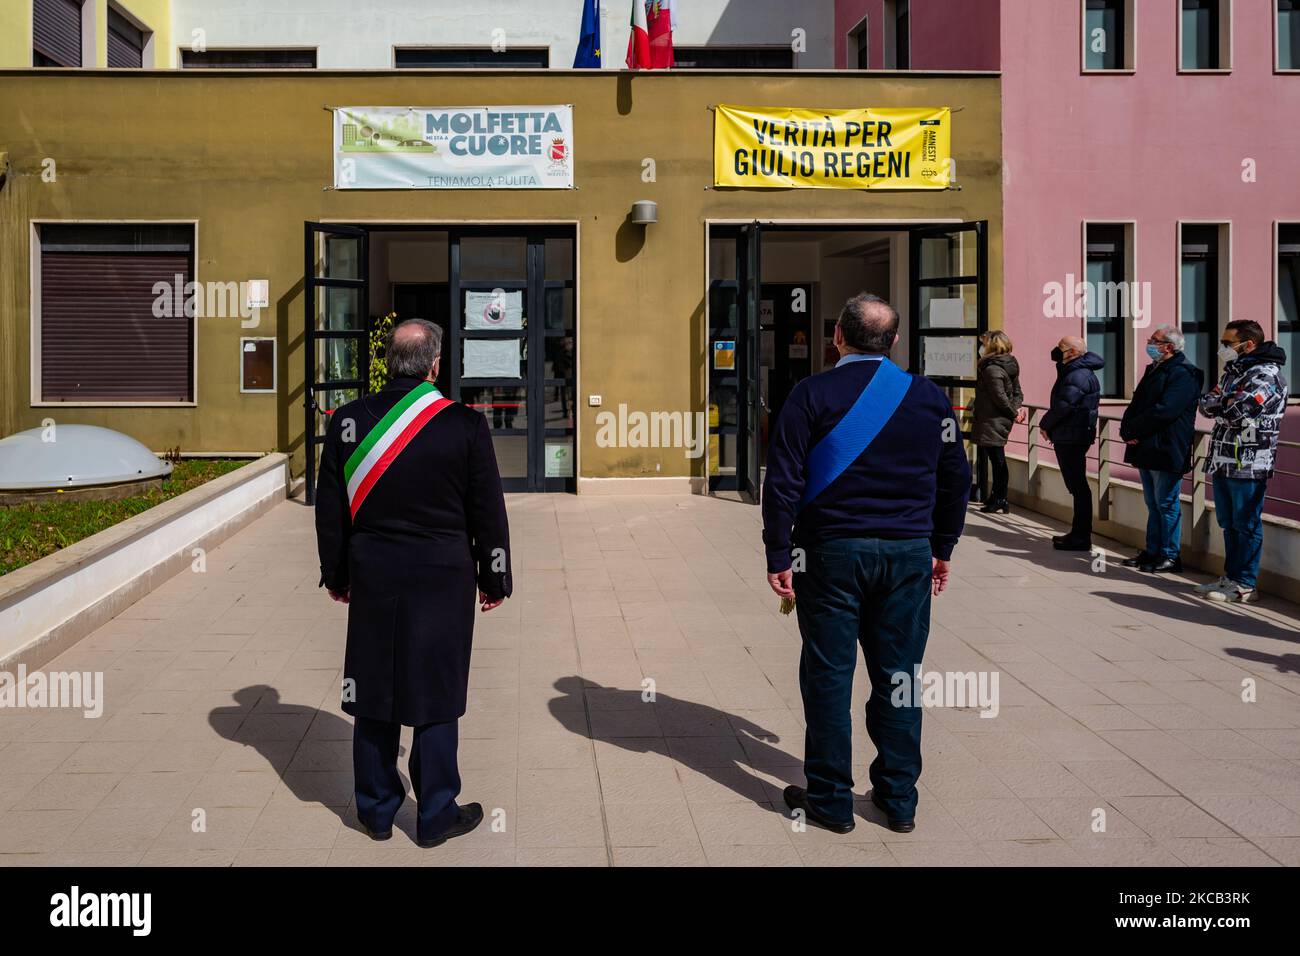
864	500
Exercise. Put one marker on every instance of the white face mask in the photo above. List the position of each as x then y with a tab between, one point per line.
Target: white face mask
981	351
1227	354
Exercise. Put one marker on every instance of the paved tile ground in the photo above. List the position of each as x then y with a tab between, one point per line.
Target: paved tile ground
1118	694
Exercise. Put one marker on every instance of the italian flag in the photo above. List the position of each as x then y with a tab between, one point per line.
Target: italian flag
650	47
384	443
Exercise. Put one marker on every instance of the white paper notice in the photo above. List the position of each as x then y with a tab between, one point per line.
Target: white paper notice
947	313
497	309
491	358
949	357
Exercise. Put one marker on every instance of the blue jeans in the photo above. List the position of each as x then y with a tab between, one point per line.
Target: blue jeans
1164	512
874	593
1238	507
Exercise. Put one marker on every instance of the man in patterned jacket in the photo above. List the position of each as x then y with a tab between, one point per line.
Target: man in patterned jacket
1247	407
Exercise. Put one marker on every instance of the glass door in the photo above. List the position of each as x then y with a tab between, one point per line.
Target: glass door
513	348
949	303
336	332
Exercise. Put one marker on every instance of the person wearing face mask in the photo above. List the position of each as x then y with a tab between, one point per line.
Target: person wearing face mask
998	405
1247	407
1070	424
1158	429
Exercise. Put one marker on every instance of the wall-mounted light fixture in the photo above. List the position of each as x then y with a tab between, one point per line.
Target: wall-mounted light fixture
644	212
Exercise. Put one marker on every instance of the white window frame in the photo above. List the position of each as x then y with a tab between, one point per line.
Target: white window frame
851	46
34	327
1129	339
1129	58
1225	40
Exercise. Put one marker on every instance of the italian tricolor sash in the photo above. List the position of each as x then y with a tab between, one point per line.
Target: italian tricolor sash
380	448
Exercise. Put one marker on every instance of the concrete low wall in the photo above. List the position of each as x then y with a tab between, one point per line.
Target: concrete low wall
48	605
1202	541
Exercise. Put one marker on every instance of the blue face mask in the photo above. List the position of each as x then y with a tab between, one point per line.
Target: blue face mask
1154	353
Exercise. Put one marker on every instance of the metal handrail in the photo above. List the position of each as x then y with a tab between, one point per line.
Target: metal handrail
1104	460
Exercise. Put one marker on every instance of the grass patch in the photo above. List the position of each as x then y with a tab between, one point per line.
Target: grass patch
29	532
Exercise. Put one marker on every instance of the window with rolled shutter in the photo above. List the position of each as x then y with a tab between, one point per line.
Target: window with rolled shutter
56	32
125	41
107	332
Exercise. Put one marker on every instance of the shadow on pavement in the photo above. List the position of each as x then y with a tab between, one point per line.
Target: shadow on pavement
1196	610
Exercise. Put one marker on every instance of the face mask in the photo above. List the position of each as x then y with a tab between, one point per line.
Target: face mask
1154	353
981	351
1227	354
1057	355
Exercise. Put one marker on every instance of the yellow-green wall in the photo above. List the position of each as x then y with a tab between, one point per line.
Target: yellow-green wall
249	157
16	31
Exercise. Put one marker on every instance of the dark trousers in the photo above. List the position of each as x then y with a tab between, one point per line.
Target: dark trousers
1239	509
991	457
1073	461
873	593
435	778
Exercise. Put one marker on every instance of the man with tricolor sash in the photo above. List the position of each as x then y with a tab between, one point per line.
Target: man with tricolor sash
411	526
864	500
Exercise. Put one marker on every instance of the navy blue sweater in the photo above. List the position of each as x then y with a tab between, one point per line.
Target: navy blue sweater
910	482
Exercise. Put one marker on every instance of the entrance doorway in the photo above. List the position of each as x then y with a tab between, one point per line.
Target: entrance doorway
504	297
775	293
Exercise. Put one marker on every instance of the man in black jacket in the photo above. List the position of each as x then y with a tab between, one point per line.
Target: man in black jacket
1158	429
1071	426
410	523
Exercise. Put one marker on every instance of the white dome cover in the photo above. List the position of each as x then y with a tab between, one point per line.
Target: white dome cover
79	455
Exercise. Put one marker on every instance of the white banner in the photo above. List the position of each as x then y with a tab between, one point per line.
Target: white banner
471	147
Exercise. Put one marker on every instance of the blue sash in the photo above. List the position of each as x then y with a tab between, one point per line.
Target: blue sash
856	430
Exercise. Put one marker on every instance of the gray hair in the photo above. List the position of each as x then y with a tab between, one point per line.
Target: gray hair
868	324
412	348
1173	335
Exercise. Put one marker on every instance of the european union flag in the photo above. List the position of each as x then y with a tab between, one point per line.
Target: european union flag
589	36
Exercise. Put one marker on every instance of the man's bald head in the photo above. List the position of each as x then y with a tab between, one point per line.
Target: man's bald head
868	324
1071	347
412	349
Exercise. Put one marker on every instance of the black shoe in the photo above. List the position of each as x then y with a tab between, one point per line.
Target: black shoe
470	816
996	505
1139	559
897	824
376	835
1161	566
1072	544
796	798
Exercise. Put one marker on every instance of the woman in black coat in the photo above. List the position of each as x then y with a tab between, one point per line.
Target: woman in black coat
998	405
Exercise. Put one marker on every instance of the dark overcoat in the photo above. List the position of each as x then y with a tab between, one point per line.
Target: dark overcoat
1162	416
997	400
431	532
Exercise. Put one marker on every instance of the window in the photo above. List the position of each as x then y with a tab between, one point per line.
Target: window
248	59
898	35
126	42
1205	28
1107	35
859	47
471	58
1288	292
56	33
1202	292
1106	261
1288	34
733	58
112	322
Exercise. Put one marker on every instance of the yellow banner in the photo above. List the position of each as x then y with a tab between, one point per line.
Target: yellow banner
832	149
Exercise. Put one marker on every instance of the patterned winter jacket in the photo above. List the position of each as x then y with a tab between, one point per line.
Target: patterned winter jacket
1247	408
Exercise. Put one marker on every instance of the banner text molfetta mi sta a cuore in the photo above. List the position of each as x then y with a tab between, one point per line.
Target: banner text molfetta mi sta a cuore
469	147
832	149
